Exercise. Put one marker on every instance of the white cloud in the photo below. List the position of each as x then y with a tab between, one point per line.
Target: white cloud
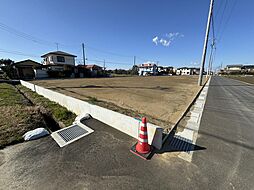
165	42
155	40
168	38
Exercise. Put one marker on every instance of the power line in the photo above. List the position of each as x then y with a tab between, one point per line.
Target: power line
107	52
18	53
56	44
213	28
24	35
109	62
227	21
218	10
223	12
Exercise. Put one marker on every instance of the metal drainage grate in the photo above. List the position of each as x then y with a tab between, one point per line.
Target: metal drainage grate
179	143
70	134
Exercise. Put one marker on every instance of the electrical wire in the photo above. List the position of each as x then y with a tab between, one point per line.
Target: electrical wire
24	35
227	21
18	53
48	43
222	17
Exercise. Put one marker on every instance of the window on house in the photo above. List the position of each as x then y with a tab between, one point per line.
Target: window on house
60	59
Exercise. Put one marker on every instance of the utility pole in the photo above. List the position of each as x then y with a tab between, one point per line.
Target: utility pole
57	46
211	58
134	61
84	56
104	65
205	43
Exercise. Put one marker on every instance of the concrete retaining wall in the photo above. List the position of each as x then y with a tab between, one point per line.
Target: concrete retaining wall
114	119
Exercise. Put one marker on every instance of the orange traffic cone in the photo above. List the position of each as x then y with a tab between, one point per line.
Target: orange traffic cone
142	146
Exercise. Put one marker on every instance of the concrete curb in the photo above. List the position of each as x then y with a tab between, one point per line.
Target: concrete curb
121	122
173	130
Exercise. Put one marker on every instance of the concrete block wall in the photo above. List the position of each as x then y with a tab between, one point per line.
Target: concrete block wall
114	119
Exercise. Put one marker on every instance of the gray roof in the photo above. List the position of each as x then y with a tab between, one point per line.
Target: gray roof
248	66
189	68
58	53
239	65
16	63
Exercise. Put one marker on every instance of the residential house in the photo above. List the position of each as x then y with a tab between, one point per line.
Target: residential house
165	70
248	69
95	70
59	63
89	71
26	69
233	69
187	71
147	69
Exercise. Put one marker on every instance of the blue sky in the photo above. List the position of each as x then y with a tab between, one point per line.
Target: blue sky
117	30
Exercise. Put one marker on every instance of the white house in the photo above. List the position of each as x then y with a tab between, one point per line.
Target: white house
59	60
147	69
187	71
233	69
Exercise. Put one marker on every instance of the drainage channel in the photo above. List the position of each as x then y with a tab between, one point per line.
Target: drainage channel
50	123
62	136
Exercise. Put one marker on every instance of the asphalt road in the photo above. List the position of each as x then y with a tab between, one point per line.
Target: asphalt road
102	160
227	132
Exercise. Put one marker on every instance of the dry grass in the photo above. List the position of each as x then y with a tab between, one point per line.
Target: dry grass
59	113
17	116
248	79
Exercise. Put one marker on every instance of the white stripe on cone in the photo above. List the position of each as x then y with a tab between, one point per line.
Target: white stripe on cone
143	132
143	140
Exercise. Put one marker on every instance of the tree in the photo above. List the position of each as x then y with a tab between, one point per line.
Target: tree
6	62
134	70
6	65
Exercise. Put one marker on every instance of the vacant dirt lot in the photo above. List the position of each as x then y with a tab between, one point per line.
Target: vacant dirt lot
161	99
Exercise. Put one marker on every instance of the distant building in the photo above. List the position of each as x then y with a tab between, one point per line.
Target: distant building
59	63
89	71
59	60
233	69
187	71
26	69
147	69
162	70
248	69
95	70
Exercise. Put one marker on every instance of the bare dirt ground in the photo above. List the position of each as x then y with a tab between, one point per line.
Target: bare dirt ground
161	99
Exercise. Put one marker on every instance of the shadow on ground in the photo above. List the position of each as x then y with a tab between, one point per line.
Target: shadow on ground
179	144
175	143
113	87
